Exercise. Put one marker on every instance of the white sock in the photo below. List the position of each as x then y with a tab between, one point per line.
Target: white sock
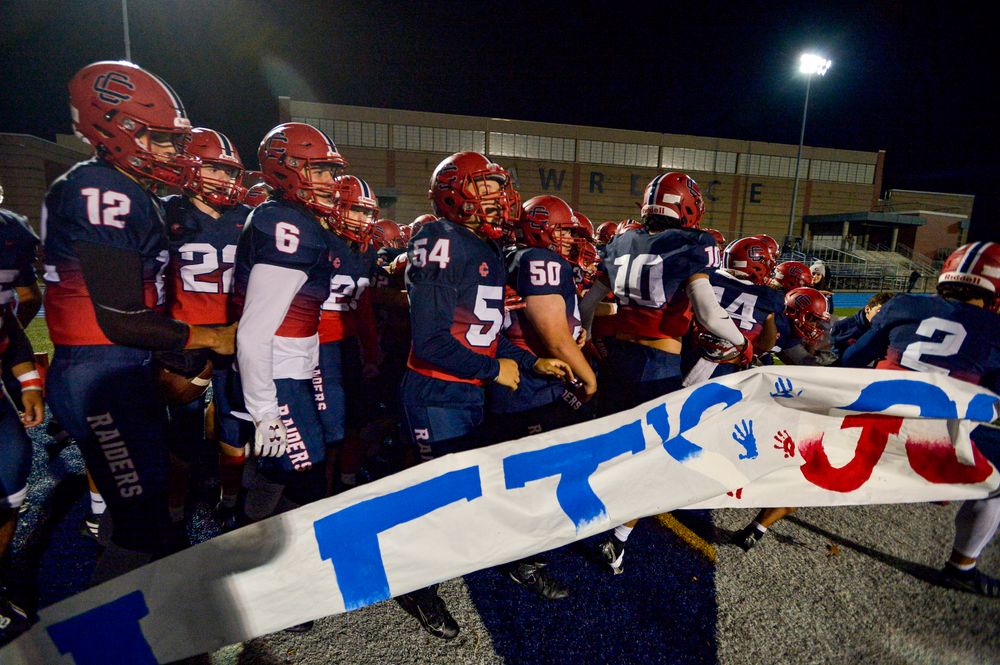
760	527
965	567
622	532
975	525
97	505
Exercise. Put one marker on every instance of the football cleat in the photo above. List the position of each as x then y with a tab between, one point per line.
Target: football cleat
970	581
225	517
747	537
13	620
428	608
534	577
91	526
612	552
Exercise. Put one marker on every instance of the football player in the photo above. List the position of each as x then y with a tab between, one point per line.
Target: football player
953	333
548	324
455	279
105	250
204	227
848	330
791	275
348	349
605	232
18	283
282	277
742	289
806	320
658	273
15	462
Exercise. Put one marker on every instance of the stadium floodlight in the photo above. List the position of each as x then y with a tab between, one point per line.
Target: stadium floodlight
810	64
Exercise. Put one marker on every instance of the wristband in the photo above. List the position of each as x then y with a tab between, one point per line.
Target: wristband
30	381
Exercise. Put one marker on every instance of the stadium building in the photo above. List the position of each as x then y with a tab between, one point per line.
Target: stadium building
869	241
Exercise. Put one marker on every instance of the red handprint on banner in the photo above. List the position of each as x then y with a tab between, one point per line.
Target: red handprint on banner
785	443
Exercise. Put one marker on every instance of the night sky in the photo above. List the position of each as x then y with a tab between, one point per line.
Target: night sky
916	81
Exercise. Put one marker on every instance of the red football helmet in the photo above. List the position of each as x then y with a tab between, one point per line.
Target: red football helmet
547	221
417	224
674	195
286	155
627	225
257	194
469	189
808	311
772	245
793	274
215	150
720	239
386	233
588	265
750	259
605	232
585	223
355	209
117	107
975	264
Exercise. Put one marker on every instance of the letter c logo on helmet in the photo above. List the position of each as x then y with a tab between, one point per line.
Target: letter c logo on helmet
109	87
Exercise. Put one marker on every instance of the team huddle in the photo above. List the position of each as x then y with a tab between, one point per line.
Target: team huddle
323	330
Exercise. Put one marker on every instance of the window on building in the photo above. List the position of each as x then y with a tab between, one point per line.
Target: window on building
692	159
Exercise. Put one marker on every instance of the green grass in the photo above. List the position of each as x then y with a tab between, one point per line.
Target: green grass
38	333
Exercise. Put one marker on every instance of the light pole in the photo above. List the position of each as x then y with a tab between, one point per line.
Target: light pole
809	64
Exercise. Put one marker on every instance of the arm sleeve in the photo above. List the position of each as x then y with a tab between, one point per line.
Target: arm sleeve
432	309
588	305
507	349
18	346
270	291
710	314
114	279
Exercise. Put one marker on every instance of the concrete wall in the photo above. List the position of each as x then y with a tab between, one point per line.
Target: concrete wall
28	165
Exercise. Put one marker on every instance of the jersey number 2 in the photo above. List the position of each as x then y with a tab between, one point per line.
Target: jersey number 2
954	335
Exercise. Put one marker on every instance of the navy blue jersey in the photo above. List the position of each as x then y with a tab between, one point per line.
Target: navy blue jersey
284	234
534	271
17	256
455	282
648	273
748	304
848	330
95	203
202	260
353	271
932	334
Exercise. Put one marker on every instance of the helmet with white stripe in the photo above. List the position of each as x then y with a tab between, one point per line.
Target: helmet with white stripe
355	209
672	199
219	179
133	119
976	264
301	164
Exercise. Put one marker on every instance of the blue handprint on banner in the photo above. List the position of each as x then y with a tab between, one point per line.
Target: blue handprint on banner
784	388
743	435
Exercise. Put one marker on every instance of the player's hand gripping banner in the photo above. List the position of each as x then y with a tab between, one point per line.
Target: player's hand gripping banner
769	436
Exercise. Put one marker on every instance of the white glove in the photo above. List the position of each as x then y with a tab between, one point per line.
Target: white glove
271	438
